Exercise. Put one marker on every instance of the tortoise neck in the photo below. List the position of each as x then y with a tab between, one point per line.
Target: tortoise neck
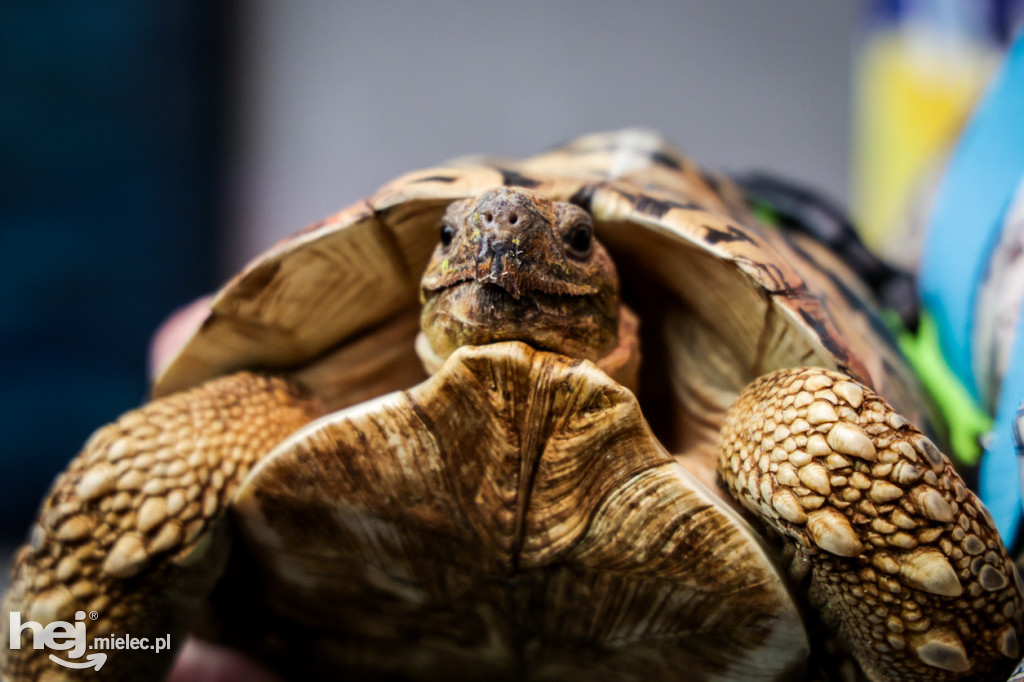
622	364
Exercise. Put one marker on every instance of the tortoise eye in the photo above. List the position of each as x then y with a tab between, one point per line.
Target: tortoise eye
580	239
447	234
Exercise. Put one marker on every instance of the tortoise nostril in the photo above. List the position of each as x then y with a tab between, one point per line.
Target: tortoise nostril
512	219
488	216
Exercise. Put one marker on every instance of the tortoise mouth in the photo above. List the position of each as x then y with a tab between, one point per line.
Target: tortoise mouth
528	287
473	313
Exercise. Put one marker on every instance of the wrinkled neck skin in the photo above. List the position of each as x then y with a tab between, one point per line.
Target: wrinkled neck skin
513	266
621	364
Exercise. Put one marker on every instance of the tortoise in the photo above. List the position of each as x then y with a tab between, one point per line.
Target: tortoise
416	440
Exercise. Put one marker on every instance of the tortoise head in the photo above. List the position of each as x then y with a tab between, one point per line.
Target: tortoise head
514	266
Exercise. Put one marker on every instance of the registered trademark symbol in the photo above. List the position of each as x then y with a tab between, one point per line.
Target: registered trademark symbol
93	615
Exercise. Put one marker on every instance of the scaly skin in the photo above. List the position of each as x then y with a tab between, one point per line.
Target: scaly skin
130	531
905	562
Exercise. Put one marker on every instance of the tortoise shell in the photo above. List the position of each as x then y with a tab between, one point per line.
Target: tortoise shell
698	268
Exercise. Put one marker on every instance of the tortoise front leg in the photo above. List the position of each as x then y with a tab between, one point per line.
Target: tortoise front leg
130	531
904	561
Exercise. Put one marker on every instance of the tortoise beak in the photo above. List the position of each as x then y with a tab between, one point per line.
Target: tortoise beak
499	262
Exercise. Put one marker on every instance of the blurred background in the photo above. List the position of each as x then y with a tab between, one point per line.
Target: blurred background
147	150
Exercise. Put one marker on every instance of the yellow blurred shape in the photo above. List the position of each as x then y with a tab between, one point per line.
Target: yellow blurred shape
913	93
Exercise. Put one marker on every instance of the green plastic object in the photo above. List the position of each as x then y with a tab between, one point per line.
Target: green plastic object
966	420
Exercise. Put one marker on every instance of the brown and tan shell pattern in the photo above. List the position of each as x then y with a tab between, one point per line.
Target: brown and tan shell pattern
706	278
513	517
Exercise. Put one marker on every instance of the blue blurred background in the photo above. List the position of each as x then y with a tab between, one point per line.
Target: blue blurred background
111	176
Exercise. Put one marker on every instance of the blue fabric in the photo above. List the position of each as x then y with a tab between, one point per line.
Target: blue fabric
968	214
999	480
